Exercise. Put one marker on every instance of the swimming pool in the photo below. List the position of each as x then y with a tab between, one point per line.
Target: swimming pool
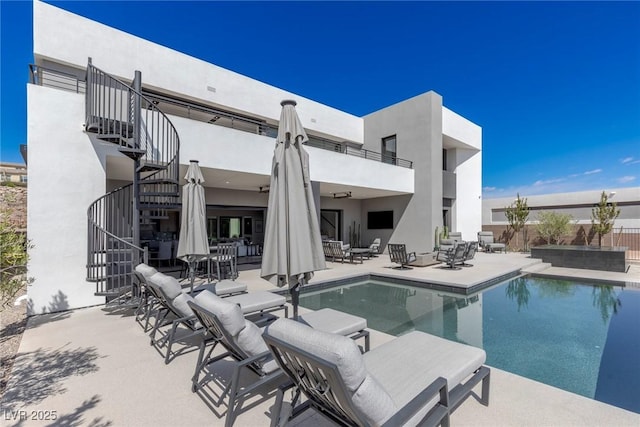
576	336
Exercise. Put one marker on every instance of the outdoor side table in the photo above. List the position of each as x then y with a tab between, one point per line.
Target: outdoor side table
360	253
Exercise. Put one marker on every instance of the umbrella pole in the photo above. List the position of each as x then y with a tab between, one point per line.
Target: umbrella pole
192	275
295	299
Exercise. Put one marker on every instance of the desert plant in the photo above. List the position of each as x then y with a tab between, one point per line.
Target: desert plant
517	215
354	235
552	226
603	216
436	239
13	259
444	234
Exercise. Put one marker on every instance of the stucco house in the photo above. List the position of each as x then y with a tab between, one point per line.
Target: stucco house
113	121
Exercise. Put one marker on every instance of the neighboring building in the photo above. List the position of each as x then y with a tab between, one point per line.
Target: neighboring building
579	205
395	174
13	172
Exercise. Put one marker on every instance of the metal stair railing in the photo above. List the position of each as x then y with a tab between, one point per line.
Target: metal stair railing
111	255
120	114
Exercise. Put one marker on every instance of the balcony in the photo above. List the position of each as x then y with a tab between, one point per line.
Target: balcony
186	109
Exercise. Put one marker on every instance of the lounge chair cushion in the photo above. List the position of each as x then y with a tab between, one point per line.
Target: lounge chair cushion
333	321
367	394
251	342
227	286
181	306
256	301
418	355
228	313
169	285
146	270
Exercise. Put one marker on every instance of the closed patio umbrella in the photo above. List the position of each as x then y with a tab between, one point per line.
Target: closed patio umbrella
193	245
292	244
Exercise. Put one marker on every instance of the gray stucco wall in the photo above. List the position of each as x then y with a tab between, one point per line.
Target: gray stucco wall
417	124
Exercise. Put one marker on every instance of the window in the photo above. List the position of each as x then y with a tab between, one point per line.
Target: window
380	220
230	227
389	150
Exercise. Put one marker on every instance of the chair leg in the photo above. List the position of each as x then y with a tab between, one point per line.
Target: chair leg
159	320
202	362
172	335
233	392
485	389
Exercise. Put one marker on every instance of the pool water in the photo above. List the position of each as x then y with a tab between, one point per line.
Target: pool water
580	337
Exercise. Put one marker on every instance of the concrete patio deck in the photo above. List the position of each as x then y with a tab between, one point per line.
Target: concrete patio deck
95	367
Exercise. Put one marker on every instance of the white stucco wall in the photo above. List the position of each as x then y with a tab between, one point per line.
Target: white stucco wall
463	130
466	212
65	176
219	147
173	71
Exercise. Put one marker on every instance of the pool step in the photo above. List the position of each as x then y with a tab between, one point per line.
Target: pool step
536	267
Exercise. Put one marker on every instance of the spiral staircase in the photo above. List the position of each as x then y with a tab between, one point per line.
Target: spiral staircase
120	114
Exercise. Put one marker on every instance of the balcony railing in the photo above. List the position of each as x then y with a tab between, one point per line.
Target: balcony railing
66	81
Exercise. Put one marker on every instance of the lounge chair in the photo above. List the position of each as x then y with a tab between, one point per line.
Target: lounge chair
335	249
148	301
374	247
453	256
175	301
398	254
415	379
225	324
488	244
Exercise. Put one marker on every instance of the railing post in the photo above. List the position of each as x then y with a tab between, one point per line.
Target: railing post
137	86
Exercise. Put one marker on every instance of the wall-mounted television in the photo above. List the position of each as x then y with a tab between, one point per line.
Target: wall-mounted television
379	220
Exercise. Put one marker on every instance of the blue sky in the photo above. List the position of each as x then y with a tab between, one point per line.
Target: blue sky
555	86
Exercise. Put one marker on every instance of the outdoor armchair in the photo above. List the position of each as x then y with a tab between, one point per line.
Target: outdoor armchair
415	379
335	249
398	254
374	247
488	244
469	253
453	256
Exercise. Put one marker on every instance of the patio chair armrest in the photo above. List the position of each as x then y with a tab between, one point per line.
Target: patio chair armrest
439	412
191	320
256	358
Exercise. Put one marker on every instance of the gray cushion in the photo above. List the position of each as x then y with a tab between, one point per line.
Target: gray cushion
336	322
181	306
256	301
372	401
146	270
227	286
418	359
228	313
169	285
341	351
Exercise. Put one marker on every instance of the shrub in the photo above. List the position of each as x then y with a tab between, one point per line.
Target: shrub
552	226
13	259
